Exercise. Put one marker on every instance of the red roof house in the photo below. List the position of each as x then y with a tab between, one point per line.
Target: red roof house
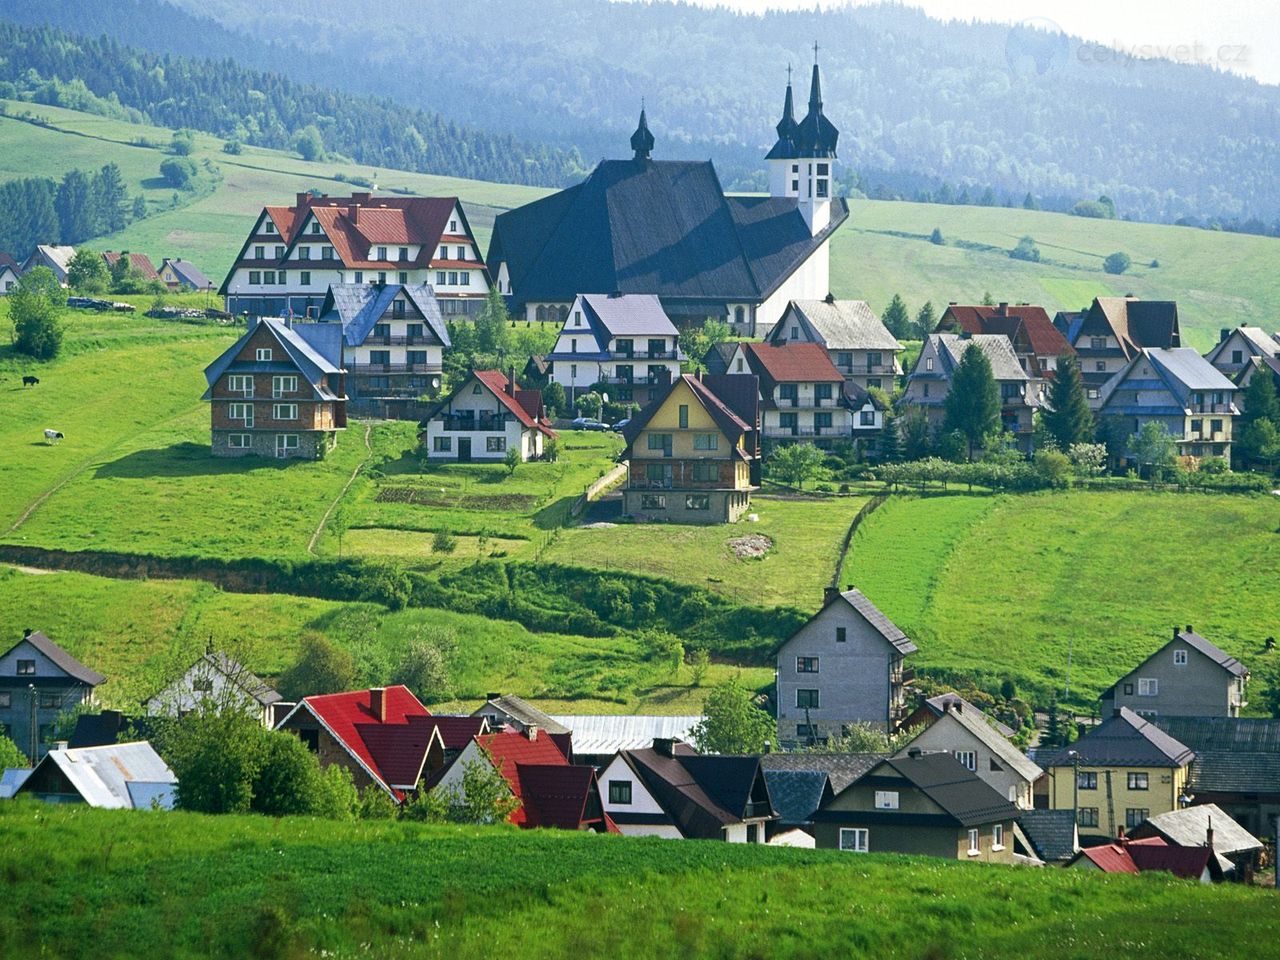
1149	855
484	418
383	735
1036	341
137	261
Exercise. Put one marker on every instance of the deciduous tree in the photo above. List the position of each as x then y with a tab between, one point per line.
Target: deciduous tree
794	463
87	272
35	308
732	723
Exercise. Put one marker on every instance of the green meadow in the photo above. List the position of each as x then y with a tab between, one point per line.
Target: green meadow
240	886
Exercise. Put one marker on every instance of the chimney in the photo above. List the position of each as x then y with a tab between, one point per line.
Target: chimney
303	200
1003	308
829	298
531	732
951	303
353	213
378	703
1116	711
62	745
914	753
1223	333
830	595
490	697
946	706
1208	834
664	746
959	707
511	381
1189	630
27	632
361	198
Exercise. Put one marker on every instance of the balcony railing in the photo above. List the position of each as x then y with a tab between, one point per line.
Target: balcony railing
644	355
807	403
640	381
802	431
1211	408
475	424
398	340
367	368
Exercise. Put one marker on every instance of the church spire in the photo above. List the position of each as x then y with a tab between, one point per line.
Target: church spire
785	148
816	136
815	85
642	139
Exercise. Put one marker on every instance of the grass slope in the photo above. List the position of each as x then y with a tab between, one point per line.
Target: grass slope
1218	279
1005	585
190	885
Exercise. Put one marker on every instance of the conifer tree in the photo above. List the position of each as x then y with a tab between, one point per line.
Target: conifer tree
926	320
973	402
1068	419
897	319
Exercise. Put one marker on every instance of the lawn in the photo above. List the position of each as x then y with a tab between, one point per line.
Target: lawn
805	537
193	885
1013	585
140	633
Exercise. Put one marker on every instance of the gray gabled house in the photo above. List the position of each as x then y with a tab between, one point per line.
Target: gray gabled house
38	681
845	666
1187	677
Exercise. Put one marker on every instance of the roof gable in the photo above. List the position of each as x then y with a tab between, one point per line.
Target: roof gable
838	325
59	657
726	399
791	363
1124	740
964	796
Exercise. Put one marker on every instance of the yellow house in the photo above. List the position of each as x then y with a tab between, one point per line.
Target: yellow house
1119	774
694	451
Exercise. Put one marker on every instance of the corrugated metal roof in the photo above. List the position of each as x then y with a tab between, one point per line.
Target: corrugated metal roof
101	775
1190	369
631	314
11	780
599	734
1189	827
842	325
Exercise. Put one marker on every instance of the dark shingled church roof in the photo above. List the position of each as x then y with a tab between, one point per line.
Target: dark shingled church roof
815	135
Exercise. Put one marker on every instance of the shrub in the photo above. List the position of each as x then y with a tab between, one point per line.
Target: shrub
1117	262
1215	465
444	541
936	237
233	147
10	755
180	172
322	667
182	144
1053	468
35	307
1026	250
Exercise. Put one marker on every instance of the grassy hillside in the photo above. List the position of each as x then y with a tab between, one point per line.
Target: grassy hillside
1219	279
190	885
1007	585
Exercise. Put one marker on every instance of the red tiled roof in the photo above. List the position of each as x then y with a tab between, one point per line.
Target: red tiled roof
1149	854
1044	338
509	750
8	261
1110	858
526	405
392	750
793	362
138	261
456	732
390	221
555	795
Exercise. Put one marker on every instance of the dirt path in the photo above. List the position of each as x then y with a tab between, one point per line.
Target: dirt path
34	571
315	537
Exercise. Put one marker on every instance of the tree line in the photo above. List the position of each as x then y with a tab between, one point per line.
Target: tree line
68	211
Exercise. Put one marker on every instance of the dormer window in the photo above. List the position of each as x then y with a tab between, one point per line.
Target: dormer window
382	253
268	227
404	253
315	226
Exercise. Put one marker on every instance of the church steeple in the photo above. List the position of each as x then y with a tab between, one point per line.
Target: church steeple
785	148
642	139
816	136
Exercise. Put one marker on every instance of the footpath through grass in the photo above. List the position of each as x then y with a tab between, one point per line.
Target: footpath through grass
1009	585
86	883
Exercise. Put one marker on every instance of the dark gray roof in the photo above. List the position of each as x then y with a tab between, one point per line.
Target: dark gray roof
796	794
1123	740
315	350
192	274
785	147
1233	754
964	796
61	659
842	325
1195	641
882	624
979	726
716	360
660	227
358	306
1188	368
702	794
1051	832
815	135
840	768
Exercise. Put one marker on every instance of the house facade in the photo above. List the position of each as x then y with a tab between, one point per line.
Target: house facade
1037	343
930	381
279	391
484	418
221	682
1179	389
1237	347
859	344
1108	336
666	228
845	666
56	258
925	804
669	790
1118	774
10	272
393	343
693	453
968	735
294	254
38	681
178	274
625	342
138	263
802	394
1187	677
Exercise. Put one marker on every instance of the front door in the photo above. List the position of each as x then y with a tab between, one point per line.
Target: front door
464	449
286	444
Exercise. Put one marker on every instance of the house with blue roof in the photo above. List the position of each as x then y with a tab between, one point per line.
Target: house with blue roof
624	342
393	342
1178	388
278	391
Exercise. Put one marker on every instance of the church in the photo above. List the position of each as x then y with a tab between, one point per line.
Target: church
666	228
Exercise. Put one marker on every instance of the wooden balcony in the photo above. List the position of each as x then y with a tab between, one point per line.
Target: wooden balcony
365	369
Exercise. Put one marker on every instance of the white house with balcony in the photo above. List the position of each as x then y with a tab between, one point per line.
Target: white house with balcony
1180	389
856	340
393	343
803	397
625	342
484	418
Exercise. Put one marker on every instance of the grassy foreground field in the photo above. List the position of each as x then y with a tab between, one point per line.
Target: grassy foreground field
1009	585
180	884
1218	279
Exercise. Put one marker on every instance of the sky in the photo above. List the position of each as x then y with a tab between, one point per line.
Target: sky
1238	35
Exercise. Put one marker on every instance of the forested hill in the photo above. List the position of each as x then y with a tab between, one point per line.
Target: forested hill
261	108
918	102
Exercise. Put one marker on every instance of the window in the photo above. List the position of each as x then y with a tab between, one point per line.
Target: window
239	441
705	472
886	799
359	276
268	277
806	664
284	411
1097	343
1100	366
854	839
619	791
1148	687
464	278
442	444
684	416
928	363
403	253
867	418
842	634
1139	781
415	330
1237	356
807	699
822	391
1087	780
304	278
50	701
326	253
286	443
241	411
697	501
1179	658
304	253
279	252
495	444
660	441
967	757
1093	393
382	276
1215	426
255	278
1135	815
268	227
706	441
997	836
315	226
6	699
1087	816
462	253
453	276
379	356
1128	689
260	253
402	277
262	355
240	383
441	277
973	843
1197	426
202	685
382	253
282	385
653	501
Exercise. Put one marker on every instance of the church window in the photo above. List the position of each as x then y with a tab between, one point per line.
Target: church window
739	315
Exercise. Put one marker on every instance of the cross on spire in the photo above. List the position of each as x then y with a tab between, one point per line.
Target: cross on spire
788	73
815	51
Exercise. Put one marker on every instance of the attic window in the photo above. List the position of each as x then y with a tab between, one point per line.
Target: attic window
842	634
928	363
26	668
476	388
269	227
315	226
620	791
453	226
886	799
1179	658
263	355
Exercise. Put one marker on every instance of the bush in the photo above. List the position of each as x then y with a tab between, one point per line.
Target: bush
233	147
1026	250
1117	262
35	307
322	667
1215	465
1053	469
936	237
10	755
444	541
180	172
182	144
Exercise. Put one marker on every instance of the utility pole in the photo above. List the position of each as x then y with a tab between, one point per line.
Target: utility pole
31	690
1075	786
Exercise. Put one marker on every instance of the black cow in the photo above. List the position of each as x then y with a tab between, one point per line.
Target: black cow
30	381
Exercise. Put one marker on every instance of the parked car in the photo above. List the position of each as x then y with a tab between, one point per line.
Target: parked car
621	425
589	423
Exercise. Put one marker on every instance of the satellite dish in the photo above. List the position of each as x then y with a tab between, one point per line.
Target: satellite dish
604	398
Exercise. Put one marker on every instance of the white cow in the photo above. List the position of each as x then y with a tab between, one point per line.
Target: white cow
52	436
